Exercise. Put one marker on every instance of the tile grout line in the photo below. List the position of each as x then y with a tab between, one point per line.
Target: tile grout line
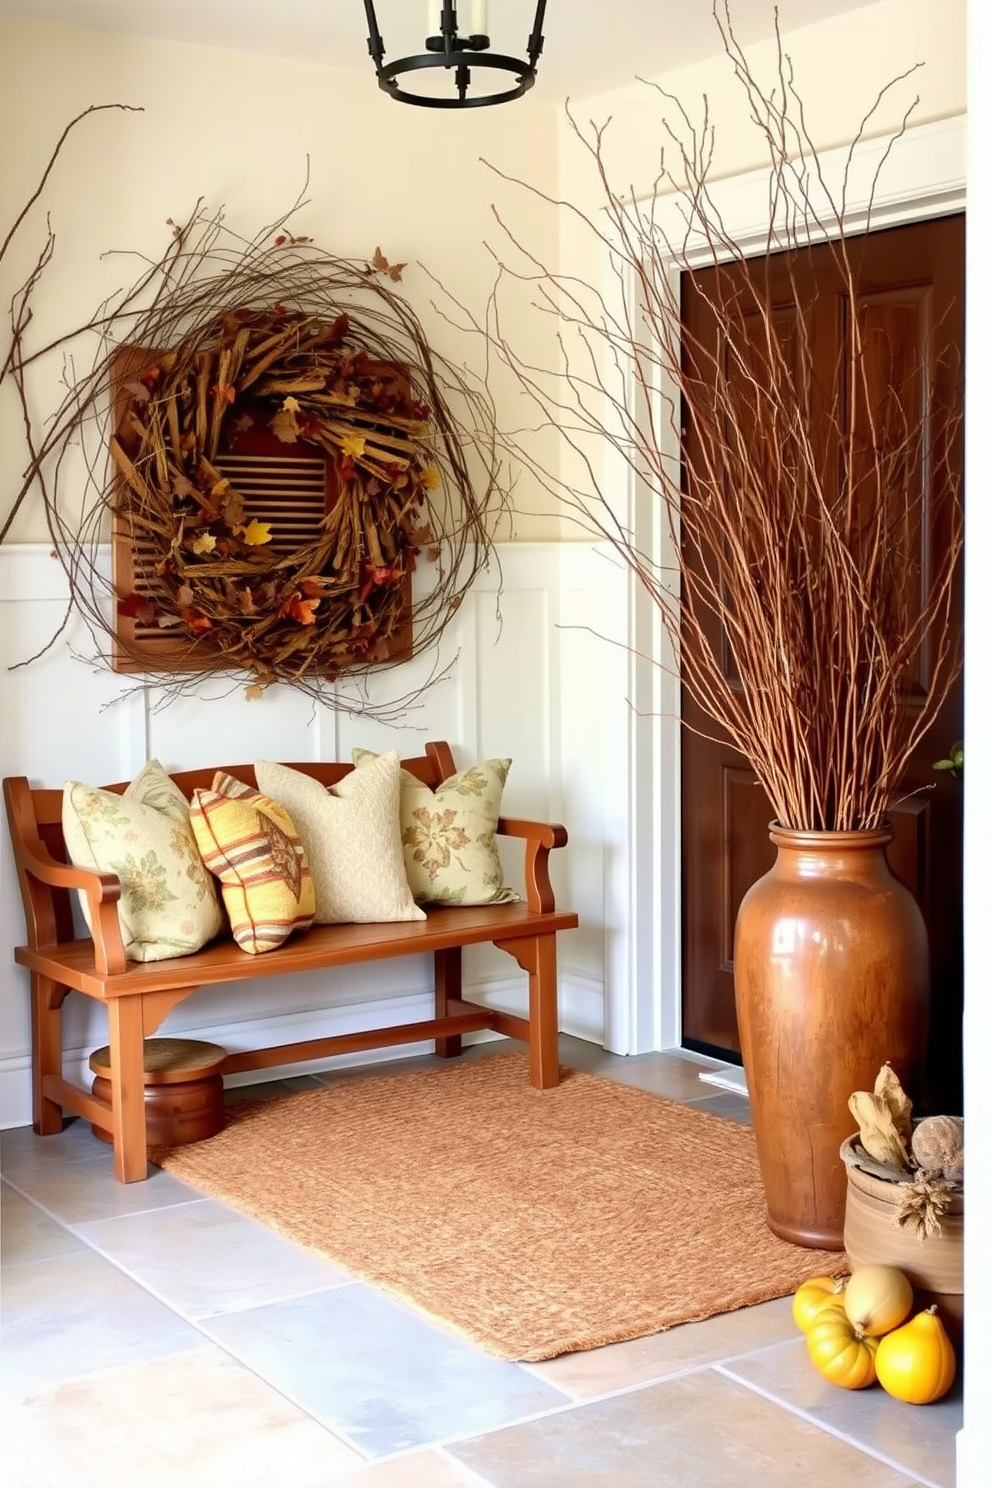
69	1227
834	1431
472	1478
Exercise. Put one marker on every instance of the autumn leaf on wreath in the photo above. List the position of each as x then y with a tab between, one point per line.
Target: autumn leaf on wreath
430	478
300	609
246	602
137	607
182	487
204	542
255	533
254	691
380	265
168	622
197	622
220	487
234	510
284	424
138	391
353	445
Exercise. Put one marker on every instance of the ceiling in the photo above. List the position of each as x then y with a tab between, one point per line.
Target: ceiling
590	45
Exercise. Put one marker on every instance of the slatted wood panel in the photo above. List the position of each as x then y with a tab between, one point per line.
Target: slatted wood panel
290	491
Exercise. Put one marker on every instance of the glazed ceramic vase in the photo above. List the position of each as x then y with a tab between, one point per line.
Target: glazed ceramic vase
831	979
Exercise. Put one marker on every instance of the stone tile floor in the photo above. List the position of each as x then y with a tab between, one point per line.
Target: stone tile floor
152	1336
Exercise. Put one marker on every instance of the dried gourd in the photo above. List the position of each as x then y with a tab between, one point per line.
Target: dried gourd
884	1118
889	1089
938	1147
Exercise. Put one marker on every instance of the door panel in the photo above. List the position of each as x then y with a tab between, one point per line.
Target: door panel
910	286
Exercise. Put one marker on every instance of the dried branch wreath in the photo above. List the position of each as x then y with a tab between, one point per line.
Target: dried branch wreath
266	348
230	581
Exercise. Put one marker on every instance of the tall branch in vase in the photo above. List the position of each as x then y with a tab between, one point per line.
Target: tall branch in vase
783	550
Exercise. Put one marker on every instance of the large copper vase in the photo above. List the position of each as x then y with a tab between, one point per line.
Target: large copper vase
831	979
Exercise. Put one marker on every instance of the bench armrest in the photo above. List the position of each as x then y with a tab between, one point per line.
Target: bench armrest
540	838
36	865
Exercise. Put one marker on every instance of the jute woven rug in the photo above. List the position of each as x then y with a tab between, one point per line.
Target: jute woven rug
534	1223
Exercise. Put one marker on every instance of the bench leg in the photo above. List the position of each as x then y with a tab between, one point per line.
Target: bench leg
127	1089
538	958
47	998
447	987
544	1070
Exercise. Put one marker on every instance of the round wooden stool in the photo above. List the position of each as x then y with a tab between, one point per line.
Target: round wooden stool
184	1091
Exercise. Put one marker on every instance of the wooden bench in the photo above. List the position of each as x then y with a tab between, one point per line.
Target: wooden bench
138	995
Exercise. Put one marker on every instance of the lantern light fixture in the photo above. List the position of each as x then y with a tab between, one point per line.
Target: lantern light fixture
446	48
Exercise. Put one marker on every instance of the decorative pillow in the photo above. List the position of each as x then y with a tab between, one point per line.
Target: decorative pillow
449	834
250	843
168	904
351	833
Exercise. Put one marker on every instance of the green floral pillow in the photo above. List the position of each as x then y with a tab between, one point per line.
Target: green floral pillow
168	904
449	834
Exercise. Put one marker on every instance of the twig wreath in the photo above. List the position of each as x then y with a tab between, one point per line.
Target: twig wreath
225	343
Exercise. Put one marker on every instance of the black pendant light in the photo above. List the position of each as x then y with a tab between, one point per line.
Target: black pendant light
446	48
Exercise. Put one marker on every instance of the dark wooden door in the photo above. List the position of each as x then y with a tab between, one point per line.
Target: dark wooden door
911	282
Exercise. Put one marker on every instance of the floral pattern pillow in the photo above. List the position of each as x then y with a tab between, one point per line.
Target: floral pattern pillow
168	904
449	834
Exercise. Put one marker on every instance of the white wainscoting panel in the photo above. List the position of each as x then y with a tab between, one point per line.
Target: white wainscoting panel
522	672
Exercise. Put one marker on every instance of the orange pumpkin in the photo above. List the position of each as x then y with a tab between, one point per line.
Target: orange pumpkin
842	1353
812	1296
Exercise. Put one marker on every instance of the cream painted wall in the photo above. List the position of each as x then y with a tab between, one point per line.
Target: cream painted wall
239	130
840	65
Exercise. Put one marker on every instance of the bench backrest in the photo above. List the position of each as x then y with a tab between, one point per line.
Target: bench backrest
34	817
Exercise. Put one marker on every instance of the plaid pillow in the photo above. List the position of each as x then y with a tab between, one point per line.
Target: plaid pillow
250	844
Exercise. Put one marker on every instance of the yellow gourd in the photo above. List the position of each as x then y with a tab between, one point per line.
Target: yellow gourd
877	1299
842	1353
812	1296
916	1362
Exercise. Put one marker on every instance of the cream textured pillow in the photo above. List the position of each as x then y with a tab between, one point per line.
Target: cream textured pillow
351	837
449	834
168	904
